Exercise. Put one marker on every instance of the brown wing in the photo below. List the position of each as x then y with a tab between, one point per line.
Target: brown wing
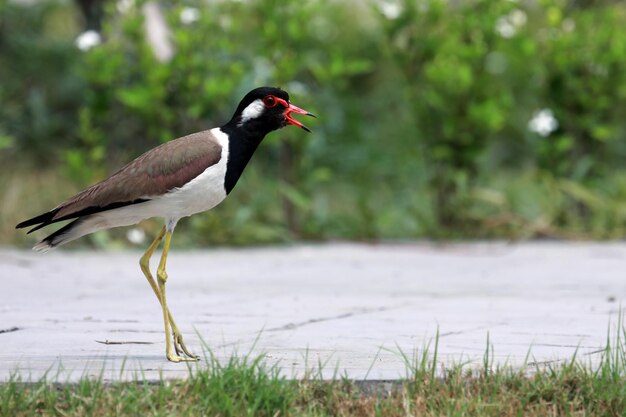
156	172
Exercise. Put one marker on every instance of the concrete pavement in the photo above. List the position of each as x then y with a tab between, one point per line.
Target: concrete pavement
351	307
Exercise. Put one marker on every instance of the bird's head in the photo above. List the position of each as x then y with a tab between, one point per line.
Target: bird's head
265	109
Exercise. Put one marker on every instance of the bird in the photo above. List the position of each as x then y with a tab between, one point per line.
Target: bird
177	179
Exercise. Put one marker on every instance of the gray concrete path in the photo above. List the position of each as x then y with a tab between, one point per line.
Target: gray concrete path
353	308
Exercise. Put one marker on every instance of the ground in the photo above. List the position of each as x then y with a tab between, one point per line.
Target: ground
358	310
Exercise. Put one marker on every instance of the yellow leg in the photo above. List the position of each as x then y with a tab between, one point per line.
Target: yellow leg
162	279
144	262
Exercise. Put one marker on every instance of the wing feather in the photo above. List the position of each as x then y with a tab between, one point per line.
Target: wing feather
156	172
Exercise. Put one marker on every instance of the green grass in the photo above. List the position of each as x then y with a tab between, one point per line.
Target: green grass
246	386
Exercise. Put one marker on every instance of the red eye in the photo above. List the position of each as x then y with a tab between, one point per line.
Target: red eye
269	101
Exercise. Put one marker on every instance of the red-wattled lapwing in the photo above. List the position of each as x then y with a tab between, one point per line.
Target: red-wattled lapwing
177	179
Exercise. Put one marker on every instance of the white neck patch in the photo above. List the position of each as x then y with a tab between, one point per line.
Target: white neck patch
254	110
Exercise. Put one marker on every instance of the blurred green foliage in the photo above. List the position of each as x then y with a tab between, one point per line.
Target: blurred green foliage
425	111
40	91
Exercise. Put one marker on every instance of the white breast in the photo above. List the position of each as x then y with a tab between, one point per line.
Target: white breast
203	192
200	194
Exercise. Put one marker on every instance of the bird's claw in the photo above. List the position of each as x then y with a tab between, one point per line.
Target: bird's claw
177	358
180	348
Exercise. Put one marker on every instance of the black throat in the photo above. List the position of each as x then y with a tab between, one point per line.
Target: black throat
241	145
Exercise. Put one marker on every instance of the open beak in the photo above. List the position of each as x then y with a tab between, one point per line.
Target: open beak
291	121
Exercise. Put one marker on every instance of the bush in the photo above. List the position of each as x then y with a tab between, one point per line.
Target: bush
425	111
465	82
476	72
40	90
585	85
135	101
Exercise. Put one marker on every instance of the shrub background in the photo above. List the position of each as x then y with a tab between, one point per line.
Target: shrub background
424	110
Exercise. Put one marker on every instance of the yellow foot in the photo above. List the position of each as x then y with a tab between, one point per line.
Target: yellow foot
179	346
176	358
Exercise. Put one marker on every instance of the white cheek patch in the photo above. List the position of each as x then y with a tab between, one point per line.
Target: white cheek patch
254	110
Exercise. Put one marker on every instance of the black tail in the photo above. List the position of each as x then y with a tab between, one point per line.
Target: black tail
48	218
41	221
57	237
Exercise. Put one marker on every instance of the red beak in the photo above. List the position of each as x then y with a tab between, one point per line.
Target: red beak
290	108
292	121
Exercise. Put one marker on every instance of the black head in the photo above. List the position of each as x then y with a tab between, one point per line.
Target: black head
261	111
265	109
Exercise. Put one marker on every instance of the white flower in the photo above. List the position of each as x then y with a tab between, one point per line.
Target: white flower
517	18
124	6
390	9
543	122
189	15
87	40
568	25
507	26
136	236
